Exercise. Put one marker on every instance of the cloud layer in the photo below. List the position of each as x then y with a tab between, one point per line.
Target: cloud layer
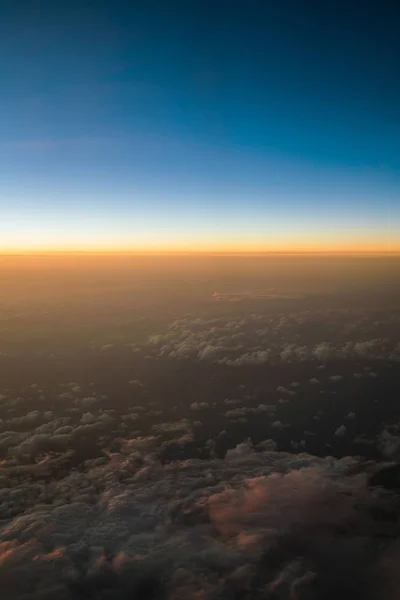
259	339
264	525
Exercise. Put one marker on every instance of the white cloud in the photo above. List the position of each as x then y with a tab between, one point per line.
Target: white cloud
270	339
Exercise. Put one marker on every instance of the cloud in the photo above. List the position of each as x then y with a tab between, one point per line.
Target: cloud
255	523
336	378
243	411
88	418
242	449
231	402
278	425
341	431
249	358
389	445
268	445
9	439
31	447
25	421
324	352
282	390
198	405
87	401
261	339
211	352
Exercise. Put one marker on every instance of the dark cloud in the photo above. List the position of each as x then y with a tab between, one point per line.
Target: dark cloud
259	525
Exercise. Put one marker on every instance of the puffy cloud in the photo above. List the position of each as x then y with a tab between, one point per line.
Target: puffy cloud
296	445
324	352
278	425
88	401
88	418
71	385
292	353
32	446
261	339
238	412
341	431
27	420
47	427
242	411
198	405
371	348
282	390
255	523
389	445
242	449
336	378
233	402
67	397
182	426
106	419
178	433
185	350
64	429
268	445
9	439
259	357
267	408
211	352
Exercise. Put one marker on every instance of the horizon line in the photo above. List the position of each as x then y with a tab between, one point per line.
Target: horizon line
32	253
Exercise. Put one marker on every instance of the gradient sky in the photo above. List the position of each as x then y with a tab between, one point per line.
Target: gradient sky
199	125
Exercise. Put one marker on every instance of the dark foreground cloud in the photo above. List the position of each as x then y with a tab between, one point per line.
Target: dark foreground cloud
255	525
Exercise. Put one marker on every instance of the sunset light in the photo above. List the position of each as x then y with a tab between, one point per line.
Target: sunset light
199	300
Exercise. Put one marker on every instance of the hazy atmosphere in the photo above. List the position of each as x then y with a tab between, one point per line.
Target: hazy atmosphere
175	426
199	300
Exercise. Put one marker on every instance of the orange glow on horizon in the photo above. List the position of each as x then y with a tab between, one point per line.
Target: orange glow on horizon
386	247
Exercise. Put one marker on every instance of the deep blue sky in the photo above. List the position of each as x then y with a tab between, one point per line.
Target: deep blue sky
198	122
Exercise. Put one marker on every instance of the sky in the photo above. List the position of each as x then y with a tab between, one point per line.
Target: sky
209	125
